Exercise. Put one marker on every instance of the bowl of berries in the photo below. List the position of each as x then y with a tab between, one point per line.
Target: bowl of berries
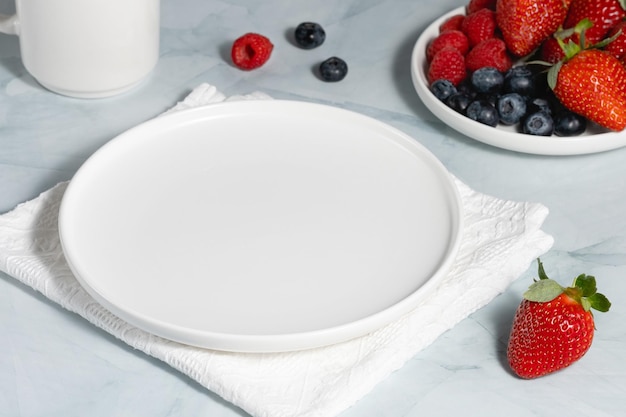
488	86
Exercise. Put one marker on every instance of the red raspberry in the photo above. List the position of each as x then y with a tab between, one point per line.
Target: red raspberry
450	38
618	46
479	26
452	23
250	51
489	53
447	64
476	5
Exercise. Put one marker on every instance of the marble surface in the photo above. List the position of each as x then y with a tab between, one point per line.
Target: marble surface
53	363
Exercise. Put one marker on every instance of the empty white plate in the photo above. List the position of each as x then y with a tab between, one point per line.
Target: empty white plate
260	225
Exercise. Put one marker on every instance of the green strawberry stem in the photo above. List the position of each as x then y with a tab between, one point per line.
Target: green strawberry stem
583	291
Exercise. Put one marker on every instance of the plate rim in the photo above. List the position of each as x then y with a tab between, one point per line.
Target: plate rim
499	137
273	342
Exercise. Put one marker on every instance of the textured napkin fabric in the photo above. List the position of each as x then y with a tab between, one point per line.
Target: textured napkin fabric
500	240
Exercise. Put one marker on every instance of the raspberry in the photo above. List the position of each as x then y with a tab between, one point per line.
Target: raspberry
479	26
489	53
450	38
447	64
452	23
251	51
476	5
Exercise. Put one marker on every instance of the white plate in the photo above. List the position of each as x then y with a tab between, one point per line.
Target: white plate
594	140
260	226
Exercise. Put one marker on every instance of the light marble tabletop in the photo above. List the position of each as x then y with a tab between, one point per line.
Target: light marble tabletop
54	363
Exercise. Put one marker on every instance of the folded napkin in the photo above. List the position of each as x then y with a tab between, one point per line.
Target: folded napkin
500	239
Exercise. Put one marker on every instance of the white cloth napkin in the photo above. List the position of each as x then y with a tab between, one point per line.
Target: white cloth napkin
500	240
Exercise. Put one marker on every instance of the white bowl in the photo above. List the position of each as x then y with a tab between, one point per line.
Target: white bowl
593	140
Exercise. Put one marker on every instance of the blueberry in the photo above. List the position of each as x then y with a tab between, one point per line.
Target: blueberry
511	108
483	112
309	35
459	102
333	69
567	123
442	89
536	104
519	80
487	80
538	123
465	87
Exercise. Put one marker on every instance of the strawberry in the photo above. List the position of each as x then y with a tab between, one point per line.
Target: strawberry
604	14
525	24
551	51
489	53
553	326
476	5
450	38
251	51
617	47
479	26
447	64
592	83
452	23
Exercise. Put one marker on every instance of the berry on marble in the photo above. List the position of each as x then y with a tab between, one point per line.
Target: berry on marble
309	35
251	51
333	69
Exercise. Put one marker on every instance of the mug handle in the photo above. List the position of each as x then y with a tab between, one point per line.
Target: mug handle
9	24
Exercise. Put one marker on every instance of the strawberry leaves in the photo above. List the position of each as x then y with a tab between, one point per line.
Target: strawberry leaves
583	291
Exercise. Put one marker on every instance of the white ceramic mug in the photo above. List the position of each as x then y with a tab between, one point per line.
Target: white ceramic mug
86	48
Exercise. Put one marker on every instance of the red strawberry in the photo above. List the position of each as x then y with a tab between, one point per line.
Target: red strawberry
593	84
476	5
525	24
617	47
604	14
450	38
447	64
553	326
479	26
551	51
250	51
452	23
489	53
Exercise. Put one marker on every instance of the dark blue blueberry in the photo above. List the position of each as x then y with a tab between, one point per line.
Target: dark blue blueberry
333	69
459	102
567	123
511	108
520	79
483	112
442	89
536	104
309	35
538	123
487	80
465	86
490	98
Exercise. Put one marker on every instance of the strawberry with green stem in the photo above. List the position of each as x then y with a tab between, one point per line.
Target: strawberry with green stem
591	82
553	326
